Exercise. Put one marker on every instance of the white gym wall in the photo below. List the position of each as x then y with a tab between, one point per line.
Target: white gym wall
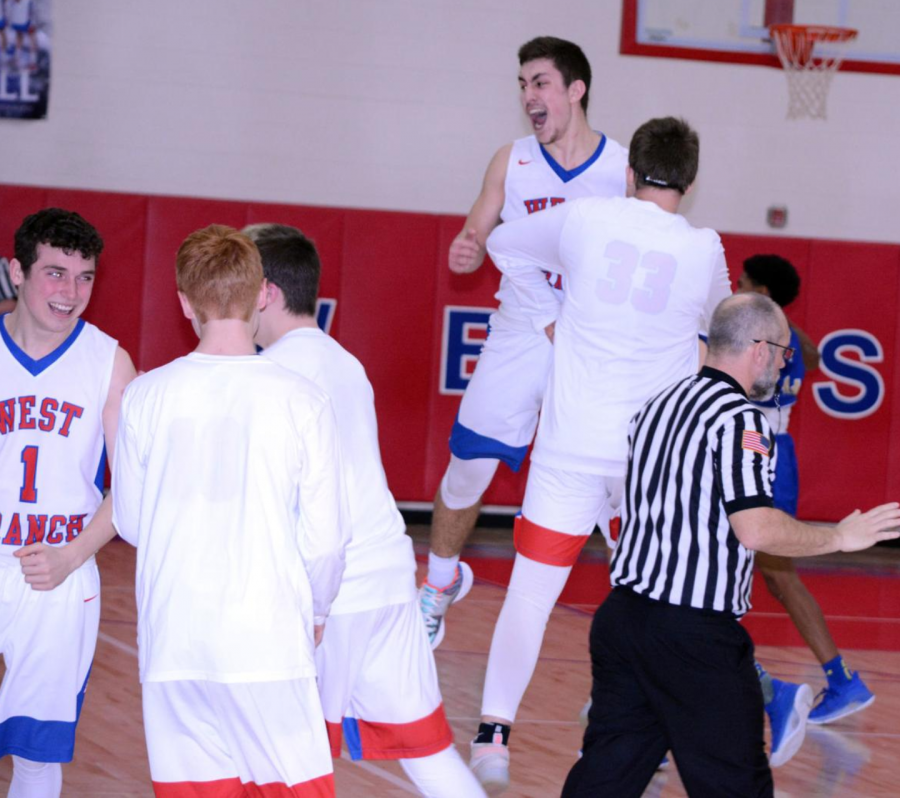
399	104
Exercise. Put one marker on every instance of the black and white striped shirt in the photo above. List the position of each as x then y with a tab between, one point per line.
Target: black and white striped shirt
696	453
7	289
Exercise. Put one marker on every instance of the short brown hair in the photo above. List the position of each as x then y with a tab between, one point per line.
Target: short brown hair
220	272
567	57
664	153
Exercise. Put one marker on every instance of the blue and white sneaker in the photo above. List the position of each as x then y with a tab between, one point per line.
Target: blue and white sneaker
434	602
788	711
838	702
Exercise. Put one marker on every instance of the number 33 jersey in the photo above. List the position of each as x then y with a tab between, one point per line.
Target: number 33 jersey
52	455
641	284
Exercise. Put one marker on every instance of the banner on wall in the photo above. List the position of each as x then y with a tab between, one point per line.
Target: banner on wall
25	58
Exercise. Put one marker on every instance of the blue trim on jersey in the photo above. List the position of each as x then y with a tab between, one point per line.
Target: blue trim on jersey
791	374
351	738
35	367
41	740
570	174
786	487
467	444
100	477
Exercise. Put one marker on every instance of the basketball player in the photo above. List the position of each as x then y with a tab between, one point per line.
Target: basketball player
563	159
227	479
641	284
376	671
61	382
846	692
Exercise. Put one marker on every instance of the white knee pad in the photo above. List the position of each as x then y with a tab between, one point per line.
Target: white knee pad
35	779
465	481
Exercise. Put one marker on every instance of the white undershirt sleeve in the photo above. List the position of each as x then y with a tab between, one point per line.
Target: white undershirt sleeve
719	288
523	249
128	476
324	525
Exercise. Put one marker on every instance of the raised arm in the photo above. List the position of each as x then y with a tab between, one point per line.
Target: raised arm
468	248
46	567
524	249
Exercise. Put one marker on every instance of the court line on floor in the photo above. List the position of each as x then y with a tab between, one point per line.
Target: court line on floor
389	777
401	784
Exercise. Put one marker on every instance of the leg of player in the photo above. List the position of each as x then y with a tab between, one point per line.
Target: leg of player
787	707
846	692
442	775
35	779
456	508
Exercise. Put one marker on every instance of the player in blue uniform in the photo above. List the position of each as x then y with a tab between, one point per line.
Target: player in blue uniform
846	692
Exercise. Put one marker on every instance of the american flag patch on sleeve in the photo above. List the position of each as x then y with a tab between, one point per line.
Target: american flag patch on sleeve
755	442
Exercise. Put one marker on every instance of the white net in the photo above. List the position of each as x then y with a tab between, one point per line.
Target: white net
810	55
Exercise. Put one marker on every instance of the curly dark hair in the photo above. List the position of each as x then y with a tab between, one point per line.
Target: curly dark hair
776	274
65	230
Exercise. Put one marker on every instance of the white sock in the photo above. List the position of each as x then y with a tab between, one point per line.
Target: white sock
441	570
519	633
442	775
35	779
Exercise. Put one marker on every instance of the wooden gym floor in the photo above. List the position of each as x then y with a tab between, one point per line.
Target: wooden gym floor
854	757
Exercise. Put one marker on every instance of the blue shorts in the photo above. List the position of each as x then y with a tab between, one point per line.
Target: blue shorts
786	487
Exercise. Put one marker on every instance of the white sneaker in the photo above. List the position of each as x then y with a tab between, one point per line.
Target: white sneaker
490	764
434	602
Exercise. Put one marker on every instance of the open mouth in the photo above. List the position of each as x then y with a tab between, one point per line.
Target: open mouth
59	309
538	119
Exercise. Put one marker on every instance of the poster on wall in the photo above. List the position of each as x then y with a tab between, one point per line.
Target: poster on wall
25	58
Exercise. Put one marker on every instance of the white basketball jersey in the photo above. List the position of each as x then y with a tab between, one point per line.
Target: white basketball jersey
227	479
640	285
535	181
52	456
380	565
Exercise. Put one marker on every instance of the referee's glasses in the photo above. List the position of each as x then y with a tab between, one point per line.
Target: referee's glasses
788	350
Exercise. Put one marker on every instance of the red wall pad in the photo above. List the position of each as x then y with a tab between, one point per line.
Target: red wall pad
392	301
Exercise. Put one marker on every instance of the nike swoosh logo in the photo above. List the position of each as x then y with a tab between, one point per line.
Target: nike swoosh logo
91	598
524	163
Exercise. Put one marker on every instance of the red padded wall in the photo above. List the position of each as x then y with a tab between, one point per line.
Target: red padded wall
388	272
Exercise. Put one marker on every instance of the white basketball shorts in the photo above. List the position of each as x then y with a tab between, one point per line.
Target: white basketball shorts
48	640
498	414
560	511
379	685
213	740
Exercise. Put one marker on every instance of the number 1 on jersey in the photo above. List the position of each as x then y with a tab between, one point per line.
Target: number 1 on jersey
29	489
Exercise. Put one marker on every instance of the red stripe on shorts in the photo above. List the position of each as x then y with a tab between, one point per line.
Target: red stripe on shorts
335	737
545	545
422	737
321	787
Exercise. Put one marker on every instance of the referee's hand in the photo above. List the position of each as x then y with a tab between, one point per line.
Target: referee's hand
861	530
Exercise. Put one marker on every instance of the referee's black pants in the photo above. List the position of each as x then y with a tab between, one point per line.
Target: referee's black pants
671	678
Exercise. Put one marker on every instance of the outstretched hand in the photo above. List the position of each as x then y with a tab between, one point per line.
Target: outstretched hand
45	567
861	530
466	254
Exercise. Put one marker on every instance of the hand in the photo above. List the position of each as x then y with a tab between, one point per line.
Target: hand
318	631
466	254
550	330
860	530
45	567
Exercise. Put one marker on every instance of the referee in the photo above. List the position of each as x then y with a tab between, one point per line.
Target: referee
672	667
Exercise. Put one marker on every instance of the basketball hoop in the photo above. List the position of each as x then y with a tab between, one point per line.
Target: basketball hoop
809	73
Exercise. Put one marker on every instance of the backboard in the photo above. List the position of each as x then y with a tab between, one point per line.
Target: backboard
736	31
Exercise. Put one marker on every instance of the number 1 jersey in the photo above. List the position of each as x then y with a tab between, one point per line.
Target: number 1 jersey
52	454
